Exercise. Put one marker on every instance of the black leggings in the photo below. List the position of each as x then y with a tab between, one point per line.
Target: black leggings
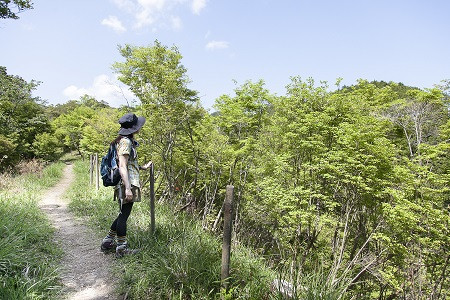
120	223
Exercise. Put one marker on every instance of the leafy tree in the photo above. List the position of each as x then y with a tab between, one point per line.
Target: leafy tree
157	77
6	10
419	116
100	130
327	184
22	116
241	120
53	111
91	102
47	146
68	128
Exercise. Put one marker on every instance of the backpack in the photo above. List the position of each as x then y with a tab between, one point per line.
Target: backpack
109	169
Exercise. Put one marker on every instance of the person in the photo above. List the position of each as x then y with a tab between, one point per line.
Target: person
128	190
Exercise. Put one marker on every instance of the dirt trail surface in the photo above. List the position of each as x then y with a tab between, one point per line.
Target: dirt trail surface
86	271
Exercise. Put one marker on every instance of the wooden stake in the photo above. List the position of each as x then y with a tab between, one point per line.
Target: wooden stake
152	199
227	228
97	171
91	169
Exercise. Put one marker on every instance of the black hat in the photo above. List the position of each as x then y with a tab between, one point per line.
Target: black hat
130	123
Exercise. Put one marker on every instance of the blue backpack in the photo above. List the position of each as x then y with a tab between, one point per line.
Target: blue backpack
109	169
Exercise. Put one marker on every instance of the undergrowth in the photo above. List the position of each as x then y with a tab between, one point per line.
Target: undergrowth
179	261
28	254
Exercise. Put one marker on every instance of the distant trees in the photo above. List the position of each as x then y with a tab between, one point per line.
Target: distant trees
84	125
31	129
9	9
22	117
418	115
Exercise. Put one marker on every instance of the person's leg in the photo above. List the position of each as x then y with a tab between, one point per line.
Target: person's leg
118	229
122	246
109	242
120	224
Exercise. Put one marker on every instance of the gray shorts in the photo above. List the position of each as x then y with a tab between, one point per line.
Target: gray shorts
119	193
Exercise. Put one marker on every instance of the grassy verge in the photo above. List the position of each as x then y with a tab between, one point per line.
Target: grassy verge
27	250
179	261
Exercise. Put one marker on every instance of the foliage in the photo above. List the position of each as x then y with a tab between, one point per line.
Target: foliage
22	118
100	130
47	146
157	77
6	10
68	128
54	111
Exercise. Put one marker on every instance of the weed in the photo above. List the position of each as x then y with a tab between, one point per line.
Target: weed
27	252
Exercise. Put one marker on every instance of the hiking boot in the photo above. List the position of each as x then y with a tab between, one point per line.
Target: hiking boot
108	244
122	250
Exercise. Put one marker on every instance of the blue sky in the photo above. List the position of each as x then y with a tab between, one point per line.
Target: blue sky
70	45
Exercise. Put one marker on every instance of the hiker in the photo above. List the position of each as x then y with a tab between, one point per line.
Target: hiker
128	190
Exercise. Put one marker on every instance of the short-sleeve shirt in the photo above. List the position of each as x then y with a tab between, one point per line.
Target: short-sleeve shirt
128	146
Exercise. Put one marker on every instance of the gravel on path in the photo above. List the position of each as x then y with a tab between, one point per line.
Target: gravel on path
86	272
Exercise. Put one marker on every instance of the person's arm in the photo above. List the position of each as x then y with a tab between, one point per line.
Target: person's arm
123	170
146	166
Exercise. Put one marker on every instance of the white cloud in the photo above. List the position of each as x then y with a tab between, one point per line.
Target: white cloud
176	23
73	92
143	18
197	6
104	88
158	13
126	5
153	5
216	45
148	11
114	23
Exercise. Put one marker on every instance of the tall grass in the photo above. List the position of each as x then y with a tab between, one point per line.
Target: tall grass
27	250
179	261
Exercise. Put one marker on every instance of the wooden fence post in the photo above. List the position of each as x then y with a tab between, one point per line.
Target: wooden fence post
91	169
152	199
227	228
97	171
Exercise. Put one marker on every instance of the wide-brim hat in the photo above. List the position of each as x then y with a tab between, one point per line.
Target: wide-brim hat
130	123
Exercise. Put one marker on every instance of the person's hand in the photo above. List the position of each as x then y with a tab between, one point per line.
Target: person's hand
128	195
147	165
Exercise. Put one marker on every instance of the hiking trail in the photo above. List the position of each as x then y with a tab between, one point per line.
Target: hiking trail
86	271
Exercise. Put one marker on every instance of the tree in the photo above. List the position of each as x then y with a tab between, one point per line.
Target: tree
22	117
54	111
241	120
6	10
419	116
91	102
157	77
100	130
47	146
68	128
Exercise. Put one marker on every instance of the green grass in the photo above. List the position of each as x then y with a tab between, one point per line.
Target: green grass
28	254
179	261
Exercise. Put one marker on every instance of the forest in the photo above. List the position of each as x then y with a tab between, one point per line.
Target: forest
344	185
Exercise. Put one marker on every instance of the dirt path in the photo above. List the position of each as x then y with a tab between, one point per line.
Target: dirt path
86	270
